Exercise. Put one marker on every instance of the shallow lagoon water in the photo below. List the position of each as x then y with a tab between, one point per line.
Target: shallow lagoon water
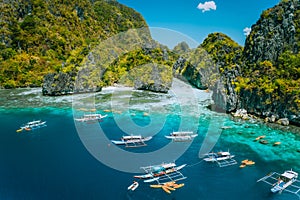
53	163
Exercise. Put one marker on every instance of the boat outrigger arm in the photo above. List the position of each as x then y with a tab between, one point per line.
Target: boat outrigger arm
272	179
226	163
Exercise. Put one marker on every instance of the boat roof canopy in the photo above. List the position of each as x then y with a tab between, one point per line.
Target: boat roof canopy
182	132
168	165
224	153
163	166
289	174
132	137
34	122
158	169
92	115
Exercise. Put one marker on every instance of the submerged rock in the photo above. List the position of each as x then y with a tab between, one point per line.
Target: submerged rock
273	118
241	113
283	121
263	141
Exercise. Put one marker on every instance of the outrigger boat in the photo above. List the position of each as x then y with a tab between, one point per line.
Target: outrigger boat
280	182
181	135
132	140
223	158
91	118
221	155
32	125
162	173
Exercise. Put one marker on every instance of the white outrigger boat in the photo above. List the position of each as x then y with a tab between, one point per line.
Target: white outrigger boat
280	182
181	135
32	125
90	118
221	155
223	158
162	173
132	140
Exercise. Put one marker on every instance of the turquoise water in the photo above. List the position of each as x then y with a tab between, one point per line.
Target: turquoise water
54	163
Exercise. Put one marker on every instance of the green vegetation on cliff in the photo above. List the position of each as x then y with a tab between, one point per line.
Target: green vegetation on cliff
133	61
225	52
263	77
226	58
206	64
272	62
62	38
38	37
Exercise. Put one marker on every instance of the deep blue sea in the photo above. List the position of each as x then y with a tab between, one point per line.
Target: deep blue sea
63	160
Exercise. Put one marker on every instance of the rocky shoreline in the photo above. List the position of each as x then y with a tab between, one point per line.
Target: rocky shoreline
273	121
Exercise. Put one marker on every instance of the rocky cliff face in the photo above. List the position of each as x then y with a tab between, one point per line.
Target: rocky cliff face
214	65
224	94
226	55
271	64
56	84
145	66
89	71
264	76
157	78
195	66
41	37
273	33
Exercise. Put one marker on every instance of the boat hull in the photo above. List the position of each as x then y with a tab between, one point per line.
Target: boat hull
122	142
212	159
91	118
184	137
276	189
156	176
151	180
281	186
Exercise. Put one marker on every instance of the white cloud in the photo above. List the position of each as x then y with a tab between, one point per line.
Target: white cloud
207	6
247	31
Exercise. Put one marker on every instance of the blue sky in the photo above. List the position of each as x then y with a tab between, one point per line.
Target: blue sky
227	16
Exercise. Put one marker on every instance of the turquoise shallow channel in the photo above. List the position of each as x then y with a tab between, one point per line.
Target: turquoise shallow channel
54	163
